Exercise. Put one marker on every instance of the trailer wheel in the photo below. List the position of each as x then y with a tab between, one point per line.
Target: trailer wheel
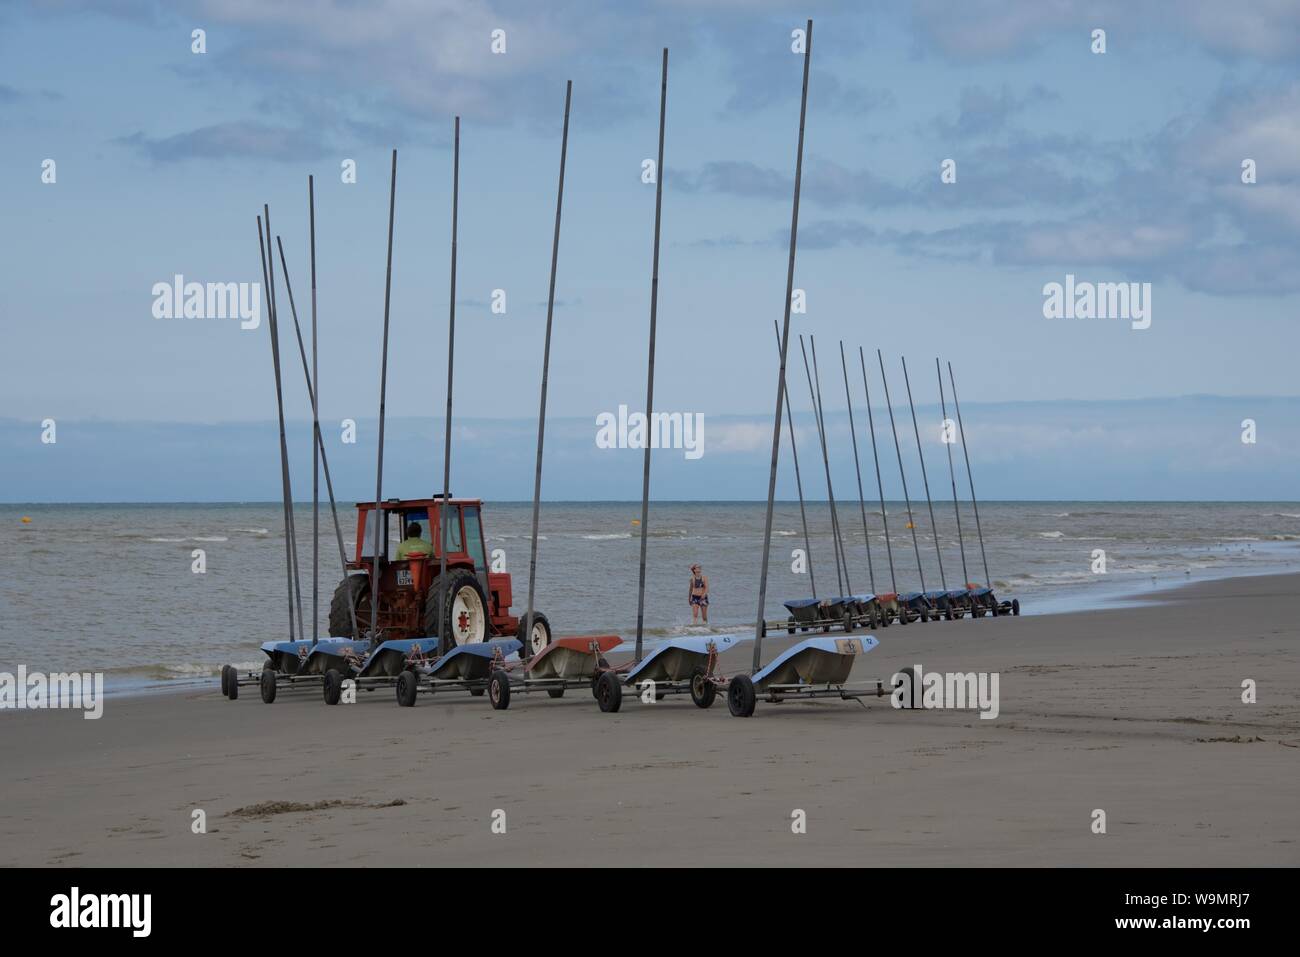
499	690
908	675
848	621
740	696
476	692
268	686
790	625
601	667
225	680
333	686
993	610
1015	607
703	690
407	684
609	693
555	692
232	683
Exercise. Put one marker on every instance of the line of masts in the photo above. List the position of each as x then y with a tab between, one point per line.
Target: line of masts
812	373
837	532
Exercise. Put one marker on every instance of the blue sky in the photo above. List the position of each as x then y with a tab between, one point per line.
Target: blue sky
1116	167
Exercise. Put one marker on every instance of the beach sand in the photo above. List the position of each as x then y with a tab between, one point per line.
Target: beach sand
1134	710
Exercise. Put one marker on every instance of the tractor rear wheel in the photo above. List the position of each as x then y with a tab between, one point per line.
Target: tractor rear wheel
465	620
340	615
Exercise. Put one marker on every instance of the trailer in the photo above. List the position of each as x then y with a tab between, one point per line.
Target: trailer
683	665
464	668
281	669
916	606
576	662
807	614
985	602
816	667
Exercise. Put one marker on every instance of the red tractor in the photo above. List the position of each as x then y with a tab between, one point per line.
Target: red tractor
478	599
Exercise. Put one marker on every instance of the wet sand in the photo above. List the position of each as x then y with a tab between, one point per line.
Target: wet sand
1134	710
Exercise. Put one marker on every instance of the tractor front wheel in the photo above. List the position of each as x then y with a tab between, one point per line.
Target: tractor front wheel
536	642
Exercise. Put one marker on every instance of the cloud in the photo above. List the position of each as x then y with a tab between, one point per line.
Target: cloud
230	140
981	29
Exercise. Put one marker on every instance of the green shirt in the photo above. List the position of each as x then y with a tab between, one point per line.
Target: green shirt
413	546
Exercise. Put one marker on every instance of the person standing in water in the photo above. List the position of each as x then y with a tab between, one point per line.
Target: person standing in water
699	595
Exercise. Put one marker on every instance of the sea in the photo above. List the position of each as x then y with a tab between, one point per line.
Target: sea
118	589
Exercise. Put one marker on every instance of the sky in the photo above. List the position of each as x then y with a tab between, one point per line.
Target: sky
1122	166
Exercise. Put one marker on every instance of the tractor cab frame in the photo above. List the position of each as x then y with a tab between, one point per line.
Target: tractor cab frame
408	588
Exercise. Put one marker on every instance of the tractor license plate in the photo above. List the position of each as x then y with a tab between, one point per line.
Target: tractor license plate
404	577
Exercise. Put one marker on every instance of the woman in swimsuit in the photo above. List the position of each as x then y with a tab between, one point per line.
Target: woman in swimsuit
699	594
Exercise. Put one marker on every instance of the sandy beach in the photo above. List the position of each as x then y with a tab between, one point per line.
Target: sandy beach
1134	710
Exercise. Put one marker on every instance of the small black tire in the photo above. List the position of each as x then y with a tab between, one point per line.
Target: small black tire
225	680
499	690
555	692
609	693
232	684
790	625
703	690
407	686
476	692
268	686
1015	607
848	621
333	686
741	698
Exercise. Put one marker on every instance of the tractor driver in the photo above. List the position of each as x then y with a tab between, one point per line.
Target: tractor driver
413	544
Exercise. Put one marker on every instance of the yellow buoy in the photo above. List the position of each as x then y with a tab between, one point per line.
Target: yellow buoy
26	520
636	521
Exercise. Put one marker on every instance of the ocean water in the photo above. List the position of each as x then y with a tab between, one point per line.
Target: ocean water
111	588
